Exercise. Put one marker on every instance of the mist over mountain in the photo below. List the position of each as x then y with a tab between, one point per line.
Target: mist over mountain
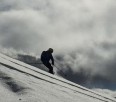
81	32
82	76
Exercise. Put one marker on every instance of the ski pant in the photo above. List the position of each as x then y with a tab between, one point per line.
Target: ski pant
48	65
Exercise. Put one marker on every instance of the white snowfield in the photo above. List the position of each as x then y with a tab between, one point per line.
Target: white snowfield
20	82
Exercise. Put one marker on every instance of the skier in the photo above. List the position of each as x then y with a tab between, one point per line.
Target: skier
46	56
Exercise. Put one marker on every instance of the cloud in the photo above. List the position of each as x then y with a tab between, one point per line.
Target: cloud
82	32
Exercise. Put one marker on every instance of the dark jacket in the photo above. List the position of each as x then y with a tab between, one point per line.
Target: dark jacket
46	56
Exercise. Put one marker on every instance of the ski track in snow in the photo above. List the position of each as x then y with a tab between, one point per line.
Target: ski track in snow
50	85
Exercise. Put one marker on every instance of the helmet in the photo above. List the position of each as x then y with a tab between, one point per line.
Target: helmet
51	50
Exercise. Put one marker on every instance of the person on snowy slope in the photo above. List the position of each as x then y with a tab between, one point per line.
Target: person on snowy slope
46	56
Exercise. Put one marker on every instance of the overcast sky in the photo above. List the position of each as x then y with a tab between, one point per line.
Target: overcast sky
83	31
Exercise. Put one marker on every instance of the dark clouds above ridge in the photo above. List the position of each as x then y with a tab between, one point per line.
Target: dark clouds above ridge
82	30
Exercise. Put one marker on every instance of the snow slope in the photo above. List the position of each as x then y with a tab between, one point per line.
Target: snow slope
20	82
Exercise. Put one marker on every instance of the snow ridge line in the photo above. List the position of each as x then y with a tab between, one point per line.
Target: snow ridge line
10	67
70	83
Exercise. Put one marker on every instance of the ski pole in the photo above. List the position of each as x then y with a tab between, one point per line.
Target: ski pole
60	68
60	71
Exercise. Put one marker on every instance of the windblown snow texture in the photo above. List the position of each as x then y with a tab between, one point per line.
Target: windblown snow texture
22	82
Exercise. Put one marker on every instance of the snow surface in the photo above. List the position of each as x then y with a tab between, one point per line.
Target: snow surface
20	82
